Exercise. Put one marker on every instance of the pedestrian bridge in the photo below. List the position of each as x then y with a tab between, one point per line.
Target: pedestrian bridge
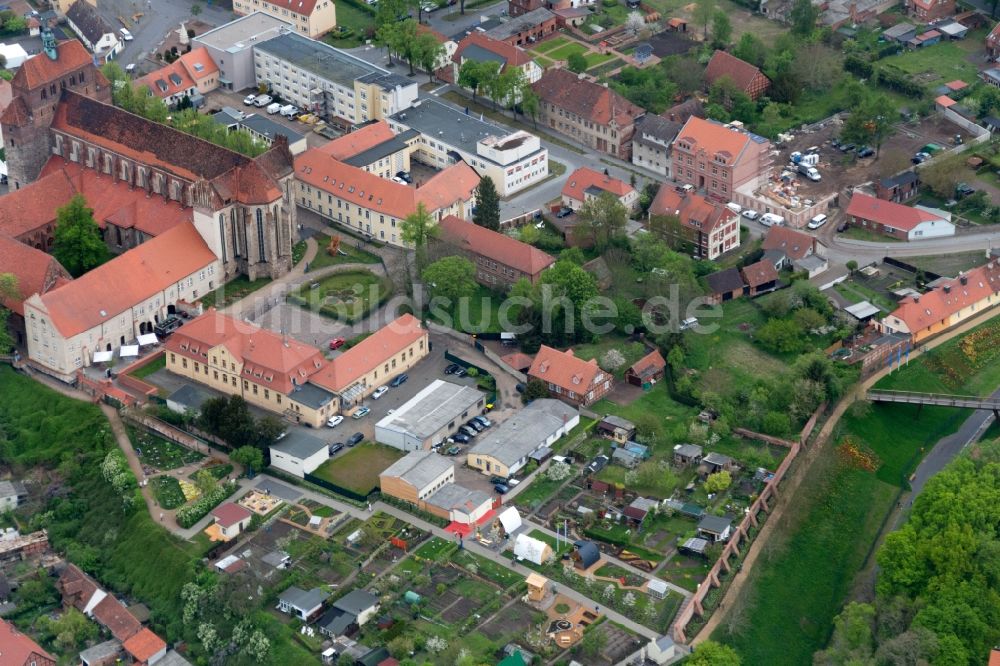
940	399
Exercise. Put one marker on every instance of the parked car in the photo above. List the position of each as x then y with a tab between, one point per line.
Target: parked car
475	425
810	172
379	392
262	101
520	387
461	372
964	190
460	437
920	157
337	343
866	151
452	369
750	214
501	488
468	430
168	326
482	419
404	176
339	446
334	421
290	111
361	413
453	450
126	35
771	220
399	380
273	108
597	464
130	68
847	147
250	99
564	212
498	479
355	439
818	221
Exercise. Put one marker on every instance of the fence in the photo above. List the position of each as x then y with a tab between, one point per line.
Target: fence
334	488
740	535
518	220
481	373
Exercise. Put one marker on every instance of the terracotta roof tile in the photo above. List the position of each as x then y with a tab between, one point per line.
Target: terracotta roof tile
143	645
584	178
34	205
760	273
128	279
112	614
303	7
493	245
724	64
649	364
585	98
36	271
713	138
185	71
230	513
949	298
269	358
888	213
795	244
16	113
693	210
508	52
370	353
565	370
358	141
72	55
17	648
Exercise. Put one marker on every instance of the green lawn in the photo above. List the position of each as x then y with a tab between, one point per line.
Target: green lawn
936	64
655	401
594	59
349	296
348	254
478	314
565	51
632	351
352	23
497	573
358	469
434	549
949	264
233	291
539	491
859	233
551	44
167	491
856	292
218	471
543	62
151	367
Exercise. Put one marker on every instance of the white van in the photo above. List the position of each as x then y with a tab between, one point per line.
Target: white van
126	35
262	101
818	221
289	111
735	207
771	220
273	108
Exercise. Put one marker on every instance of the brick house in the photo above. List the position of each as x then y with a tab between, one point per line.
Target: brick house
929	10
647	370
709	227
897	220
760	277
500	260
899	188
725	285
588	112
585	184
993	42
568	378
719	159
748	78
19	650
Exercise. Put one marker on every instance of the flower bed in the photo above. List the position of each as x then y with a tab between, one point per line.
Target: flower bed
192	513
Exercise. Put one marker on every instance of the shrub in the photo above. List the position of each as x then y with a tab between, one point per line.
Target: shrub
194	512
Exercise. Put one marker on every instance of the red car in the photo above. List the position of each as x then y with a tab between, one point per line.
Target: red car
337	343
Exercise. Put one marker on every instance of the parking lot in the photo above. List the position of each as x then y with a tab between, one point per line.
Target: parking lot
215	100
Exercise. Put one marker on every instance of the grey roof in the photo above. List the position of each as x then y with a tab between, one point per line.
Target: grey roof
190	396
102	651
588	552
88	21
375	153
664	643
245	32
274	558
326	62
453	496
479	54
12	489
336	621
811	263
618	422
905	178
688	450
356	601
715	524
305	600
267	127
696	545
714	458
723	282
432	409
643	504
862	310
625	455
450	125
521	23
172	658
657	127
299	445
525	431
419	468
311	395
899	30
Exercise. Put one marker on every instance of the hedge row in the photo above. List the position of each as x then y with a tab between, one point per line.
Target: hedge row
192	513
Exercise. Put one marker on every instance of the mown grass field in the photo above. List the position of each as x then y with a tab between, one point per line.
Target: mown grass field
358	469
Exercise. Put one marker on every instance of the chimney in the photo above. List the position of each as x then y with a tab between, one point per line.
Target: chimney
947	288
964	279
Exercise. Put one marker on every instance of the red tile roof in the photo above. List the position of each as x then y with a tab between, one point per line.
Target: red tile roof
995	652
760	273
358	141
112	614
370	353
456	183
713	138
77	585
36	271
565	370
949	298
724	64
693	210
795	244
944	101
268	358
584	177
126	280
18	649
887	213
303	7
585	98
518	360
649	364
230	513
144	645
511	54
72	55
34	205
185	69
496	246
957	84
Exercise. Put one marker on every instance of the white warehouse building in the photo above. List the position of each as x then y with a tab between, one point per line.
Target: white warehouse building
430	416
513	160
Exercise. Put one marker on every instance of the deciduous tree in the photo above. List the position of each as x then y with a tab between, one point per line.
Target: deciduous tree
417	229
78	244
452	278
722	29
710	653
576	62
704	11
600	220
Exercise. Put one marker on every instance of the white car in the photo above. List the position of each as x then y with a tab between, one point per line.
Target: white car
290	111
818	221
334	421
250	99
750	214
379	392
126	35
262	101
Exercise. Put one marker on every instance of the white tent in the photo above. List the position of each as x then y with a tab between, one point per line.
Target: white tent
533	550
128	350
148	339
103	356
510	519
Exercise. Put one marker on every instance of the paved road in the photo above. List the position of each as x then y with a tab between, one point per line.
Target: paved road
472	18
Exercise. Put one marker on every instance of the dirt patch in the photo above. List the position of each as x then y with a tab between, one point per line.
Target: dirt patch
514	619
462	610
